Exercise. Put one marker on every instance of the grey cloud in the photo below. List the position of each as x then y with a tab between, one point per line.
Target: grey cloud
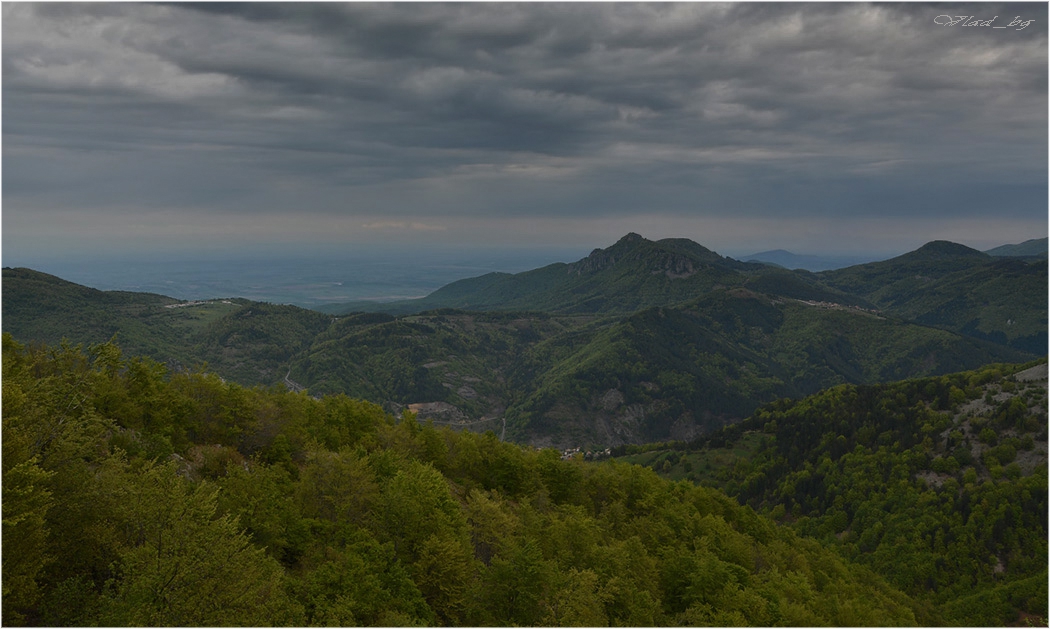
574	109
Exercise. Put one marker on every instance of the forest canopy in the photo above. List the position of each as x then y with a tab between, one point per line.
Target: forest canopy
137	496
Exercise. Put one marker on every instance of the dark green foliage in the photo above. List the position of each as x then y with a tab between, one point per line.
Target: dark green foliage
321	512
958	289
256	342
678	372
37	301
642	341
927	489
942	284
1034	248
248	342
633	273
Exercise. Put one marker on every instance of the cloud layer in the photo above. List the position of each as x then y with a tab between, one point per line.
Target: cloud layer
343	121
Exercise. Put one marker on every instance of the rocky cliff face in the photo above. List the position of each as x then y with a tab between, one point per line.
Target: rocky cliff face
663	256
601	259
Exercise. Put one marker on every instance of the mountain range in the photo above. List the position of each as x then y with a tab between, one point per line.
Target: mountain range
1034	248
641	341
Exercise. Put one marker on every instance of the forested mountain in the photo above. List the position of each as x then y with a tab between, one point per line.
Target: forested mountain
941	284
959	289
938	484
133	496
549	379
633	273
45	308
1034	248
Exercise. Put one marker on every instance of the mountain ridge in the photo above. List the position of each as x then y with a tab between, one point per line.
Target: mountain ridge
688	364
926	285
1034	247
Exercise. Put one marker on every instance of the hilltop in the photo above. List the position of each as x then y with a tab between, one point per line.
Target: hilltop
957	288
631	274
941	284
1034	248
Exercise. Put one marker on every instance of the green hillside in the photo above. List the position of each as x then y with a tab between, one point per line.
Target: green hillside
673	373
43	306
568	379
941	284
883	282
176	499
1034	248
659	373
631	274
938	484
958	289
245	341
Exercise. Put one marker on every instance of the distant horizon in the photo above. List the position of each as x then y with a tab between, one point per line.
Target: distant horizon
264	251
314	278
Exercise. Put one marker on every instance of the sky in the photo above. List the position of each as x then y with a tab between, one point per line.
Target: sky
845	128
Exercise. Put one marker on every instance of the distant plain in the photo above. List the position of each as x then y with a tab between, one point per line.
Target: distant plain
313	279
303	279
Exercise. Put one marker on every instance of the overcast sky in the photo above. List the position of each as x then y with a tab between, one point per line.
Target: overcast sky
819	128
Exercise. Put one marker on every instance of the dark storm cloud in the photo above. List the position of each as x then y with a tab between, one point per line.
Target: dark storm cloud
488	110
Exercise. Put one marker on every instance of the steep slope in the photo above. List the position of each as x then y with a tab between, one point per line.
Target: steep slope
958	289
938	484
631	274
180	500
674	373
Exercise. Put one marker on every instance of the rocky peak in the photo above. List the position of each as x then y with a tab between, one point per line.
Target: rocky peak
604	258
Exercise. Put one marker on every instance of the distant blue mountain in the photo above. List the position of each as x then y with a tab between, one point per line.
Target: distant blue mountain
789	260
1034	248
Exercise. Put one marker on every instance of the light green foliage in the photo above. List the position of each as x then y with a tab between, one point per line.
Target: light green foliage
336	486
26	500
578	601
179	564
311	512
414	505
357	581
264	501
